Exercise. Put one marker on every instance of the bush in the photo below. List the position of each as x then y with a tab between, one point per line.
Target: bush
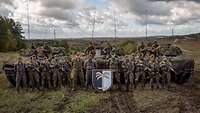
128	46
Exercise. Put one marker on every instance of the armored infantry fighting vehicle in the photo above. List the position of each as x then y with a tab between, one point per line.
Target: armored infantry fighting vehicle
183	65
9	67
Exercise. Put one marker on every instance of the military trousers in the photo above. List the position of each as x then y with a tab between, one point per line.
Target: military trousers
76	75
46	79
166	78
116	75
140	77
129	78
154	81
57	79
88	77
34	79
21	78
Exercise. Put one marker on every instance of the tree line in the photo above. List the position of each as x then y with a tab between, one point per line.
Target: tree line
11	35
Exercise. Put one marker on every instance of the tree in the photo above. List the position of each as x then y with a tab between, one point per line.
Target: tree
11	37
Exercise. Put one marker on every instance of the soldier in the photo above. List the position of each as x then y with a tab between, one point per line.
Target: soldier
156	49
33	73
57	80
114	65
40	52
45	73
90	49
89	65
154	72
139	71
21	74
128	67
108	50
66	72
140	47
33	49
165	68
47	51
77	71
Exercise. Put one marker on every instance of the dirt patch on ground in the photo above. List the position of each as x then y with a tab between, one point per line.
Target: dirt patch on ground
60	107
183	98
118	102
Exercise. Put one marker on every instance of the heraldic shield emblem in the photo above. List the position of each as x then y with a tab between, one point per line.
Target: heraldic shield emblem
102	79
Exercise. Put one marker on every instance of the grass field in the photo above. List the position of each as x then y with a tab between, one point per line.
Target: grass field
179	99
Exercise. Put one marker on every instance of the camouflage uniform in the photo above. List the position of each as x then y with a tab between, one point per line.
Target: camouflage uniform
140	48
47	51
57	80
156	49
165	67
89	65
77	72
33	73
45	74
154	74
108	50
114	65
20	75
139	72
128	67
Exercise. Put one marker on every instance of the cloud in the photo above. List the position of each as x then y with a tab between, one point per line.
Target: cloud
9	2
5	12
160	12
197	1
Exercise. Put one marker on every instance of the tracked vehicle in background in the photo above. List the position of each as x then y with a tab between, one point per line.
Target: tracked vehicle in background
183	64
9	67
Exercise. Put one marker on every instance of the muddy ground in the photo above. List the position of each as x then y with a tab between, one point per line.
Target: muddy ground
178	99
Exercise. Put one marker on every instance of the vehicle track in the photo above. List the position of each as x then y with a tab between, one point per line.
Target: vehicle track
118	102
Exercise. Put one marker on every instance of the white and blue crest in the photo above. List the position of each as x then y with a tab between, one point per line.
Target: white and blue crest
102	79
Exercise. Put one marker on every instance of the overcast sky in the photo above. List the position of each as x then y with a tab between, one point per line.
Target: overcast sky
74	18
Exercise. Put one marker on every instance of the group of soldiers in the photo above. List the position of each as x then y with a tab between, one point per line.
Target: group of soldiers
145	66
42	70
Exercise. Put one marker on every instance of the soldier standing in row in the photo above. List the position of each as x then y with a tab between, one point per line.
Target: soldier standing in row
33	72
140	48
45	73
165	68
57	81
154	72
77	71
128	67
139	71
114	65
89	65
20	75
156	49
66	72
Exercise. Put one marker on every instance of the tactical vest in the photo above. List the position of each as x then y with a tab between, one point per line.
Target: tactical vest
139	67
154	69
77	64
